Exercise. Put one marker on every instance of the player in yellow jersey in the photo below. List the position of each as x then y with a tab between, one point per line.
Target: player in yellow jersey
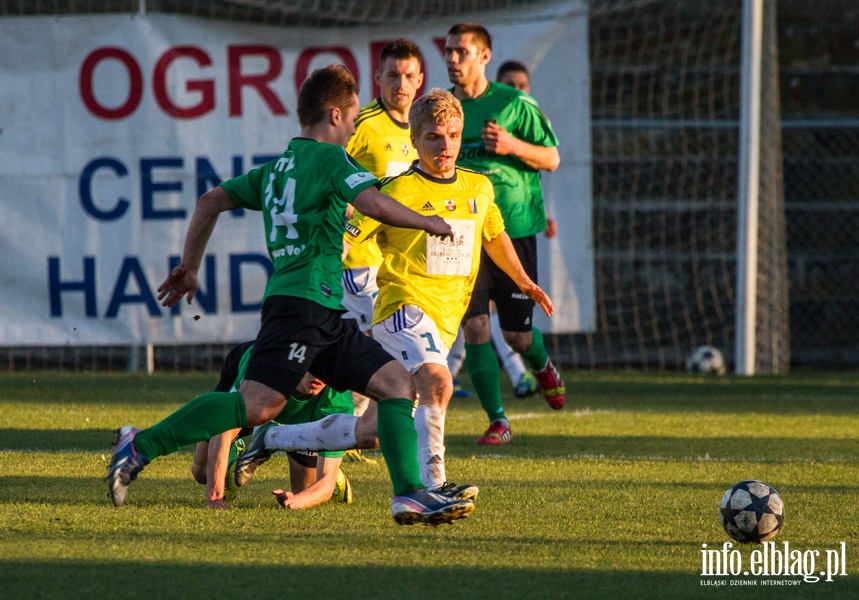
425	283
382	145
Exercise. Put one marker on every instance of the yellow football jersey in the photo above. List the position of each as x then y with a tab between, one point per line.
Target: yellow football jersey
383	147
435	274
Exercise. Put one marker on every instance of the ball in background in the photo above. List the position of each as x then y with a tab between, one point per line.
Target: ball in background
751	511
706	360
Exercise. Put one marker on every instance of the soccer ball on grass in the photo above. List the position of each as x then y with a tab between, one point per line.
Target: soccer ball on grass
751	511
706	360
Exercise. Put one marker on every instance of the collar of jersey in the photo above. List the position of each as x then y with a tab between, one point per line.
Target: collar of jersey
429	177
393	120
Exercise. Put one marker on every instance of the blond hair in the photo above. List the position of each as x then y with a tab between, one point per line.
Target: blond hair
436	106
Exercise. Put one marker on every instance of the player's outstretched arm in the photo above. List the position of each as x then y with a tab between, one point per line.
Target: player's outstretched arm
316	493
500	249
183	279
376	205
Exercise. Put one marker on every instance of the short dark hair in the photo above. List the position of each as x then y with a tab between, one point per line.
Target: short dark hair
511	66
329	87
477	30
400	49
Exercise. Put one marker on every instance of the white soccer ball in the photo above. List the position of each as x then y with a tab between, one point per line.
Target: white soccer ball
751	511
706	360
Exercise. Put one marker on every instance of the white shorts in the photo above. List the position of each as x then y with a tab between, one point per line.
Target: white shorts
412	338
359	295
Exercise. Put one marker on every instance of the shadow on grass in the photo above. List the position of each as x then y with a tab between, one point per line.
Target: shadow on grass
171	492
72	579
734	448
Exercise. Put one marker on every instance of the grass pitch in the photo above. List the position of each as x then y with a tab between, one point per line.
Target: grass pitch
613	497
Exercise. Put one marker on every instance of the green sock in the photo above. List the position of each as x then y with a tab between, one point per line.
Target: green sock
398	442
535	355
485	376
197	421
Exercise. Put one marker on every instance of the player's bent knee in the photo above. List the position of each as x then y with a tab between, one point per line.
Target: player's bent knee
365	433
199	473
519	341
391	381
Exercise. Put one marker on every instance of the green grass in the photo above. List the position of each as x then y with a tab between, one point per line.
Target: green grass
611	497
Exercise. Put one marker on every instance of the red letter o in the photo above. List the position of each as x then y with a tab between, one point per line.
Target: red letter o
135	88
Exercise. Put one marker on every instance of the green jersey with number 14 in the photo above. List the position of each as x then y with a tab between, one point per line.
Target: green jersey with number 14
517	186
303	197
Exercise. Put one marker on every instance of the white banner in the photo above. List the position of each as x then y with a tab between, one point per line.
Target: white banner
112	126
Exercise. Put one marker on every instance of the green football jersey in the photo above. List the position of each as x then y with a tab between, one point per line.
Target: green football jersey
517	186
303	196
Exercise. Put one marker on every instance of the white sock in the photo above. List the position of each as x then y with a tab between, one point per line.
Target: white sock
429	423
510	360
334	432
456	354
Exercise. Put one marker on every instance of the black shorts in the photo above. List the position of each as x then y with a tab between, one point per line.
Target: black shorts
515	309
230	369
298	335
305	459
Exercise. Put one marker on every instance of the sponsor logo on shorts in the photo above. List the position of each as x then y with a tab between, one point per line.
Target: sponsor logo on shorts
519	296
352	230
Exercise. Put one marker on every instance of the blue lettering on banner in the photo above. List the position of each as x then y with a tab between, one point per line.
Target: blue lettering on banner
85	189
149	187
131	269
112	209
86	285
132	276
237	303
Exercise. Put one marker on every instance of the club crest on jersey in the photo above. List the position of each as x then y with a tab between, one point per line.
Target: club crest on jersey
472	205
405	149
450	204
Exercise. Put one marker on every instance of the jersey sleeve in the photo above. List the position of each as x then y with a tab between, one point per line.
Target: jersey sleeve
493	225
245	189
533	126
348	177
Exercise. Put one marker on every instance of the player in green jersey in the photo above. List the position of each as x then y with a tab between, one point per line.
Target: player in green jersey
313	477
508	139
302	197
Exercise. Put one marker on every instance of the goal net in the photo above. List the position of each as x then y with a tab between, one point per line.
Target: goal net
665	85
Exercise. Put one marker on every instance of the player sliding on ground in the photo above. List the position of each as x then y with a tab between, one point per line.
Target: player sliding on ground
314	477
302	196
